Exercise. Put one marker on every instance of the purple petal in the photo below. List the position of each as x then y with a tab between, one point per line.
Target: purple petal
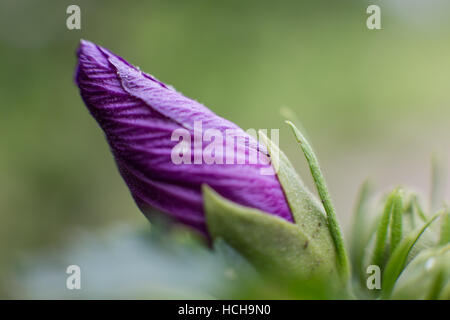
138	114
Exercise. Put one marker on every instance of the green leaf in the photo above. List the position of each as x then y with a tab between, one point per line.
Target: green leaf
409	213
270	243
397	261
427	276
237	268
445	292
382	232
333	224
445	228
396	223
306	209
360	233
419	209
436	286
438	178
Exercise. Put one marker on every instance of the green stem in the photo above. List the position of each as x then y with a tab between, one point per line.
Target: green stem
333	224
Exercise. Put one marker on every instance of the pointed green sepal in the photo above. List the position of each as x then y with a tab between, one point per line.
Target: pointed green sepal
445	228
398	258
360	234
307	211
270	243
343	263
397	220
427	276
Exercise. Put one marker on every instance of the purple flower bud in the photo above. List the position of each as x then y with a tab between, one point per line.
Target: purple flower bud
139	115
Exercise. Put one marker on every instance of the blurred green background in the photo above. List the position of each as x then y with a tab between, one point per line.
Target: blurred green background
374	103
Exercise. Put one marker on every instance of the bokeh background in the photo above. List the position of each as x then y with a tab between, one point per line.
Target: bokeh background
375	103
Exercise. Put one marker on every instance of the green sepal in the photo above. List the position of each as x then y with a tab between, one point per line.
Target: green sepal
270	243
360	235
306	210
303	204
399	256
445	228
342	259
396	221
427	276
393	206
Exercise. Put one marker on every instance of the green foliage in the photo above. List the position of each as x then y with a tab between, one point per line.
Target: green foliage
307	211
270	243
397	218
426	277
382	231
445	228
397	260
333	224
401	234
360	230
399	237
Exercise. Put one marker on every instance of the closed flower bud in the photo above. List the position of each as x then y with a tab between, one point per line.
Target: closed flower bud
151	129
